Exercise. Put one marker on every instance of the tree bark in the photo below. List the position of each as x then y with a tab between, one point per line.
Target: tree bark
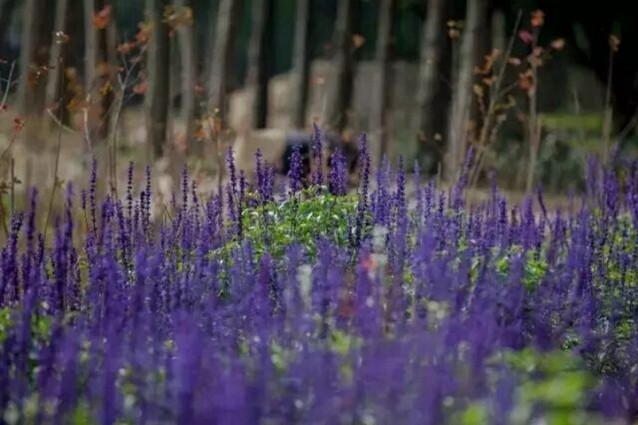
90	46
100	59
159	78
54	90
383	60
343	65
470	56
186	40
7	7
259	61
34	57
301	64
431	68
221	66
36	41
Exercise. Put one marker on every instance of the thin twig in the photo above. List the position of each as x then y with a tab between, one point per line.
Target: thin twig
495	96
6	92
13	139
59	146
59	123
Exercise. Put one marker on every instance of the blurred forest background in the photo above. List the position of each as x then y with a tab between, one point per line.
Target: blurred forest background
534	86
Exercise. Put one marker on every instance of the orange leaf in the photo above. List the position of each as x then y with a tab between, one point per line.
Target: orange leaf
76	104
489	81
538	18
525	81
358	40
614	42
125	48
318	81
18	124
102	18
558	44
199	133
144	33
106	88
140	88
61	38
453	33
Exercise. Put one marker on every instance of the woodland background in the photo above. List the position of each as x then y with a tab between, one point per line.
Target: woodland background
535	87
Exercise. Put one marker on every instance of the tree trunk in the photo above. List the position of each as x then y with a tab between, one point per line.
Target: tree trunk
100	59
34	55
90	46
383	60
36	41
186	39
259	61
470	56
7	8
221	67
343	65
431	68
301	64
159	77
54	90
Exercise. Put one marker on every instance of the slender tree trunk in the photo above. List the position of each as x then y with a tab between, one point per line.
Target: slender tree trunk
34	55
221	67
100	59
54	90
7	7
36	41
433	43
259	61
343	65
186	40
159	78
90	46
301	64
383	60
470	56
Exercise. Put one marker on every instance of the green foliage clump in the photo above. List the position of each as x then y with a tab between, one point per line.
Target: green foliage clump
310	215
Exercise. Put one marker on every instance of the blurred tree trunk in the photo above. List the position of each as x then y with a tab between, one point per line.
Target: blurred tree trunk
431	68
55	82
34	59
7	7
383	59
159	77
90	46
343	65
301	64
100	63
221	66
470	57
259	61
187	49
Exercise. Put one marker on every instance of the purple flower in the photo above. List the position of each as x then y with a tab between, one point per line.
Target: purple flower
338	176
317	156
296	169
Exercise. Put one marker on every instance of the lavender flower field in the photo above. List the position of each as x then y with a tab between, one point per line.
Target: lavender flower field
309	305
